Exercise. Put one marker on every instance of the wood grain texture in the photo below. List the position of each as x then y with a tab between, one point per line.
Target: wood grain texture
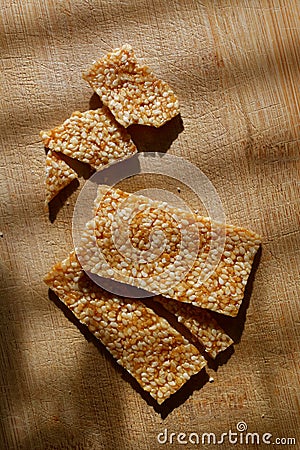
235	67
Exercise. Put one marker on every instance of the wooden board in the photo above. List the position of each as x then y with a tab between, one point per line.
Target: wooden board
235	67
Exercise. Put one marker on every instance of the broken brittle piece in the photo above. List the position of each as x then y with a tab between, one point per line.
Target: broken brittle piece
58	175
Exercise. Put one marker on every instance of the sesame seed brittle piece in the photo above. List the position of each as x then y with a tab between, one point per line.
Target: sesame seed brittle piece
93	137
131	91
58	175
142	342
123	226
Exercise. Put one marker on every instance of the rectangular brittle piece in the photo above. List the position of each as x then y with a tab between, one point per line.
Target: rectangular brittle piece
131	91
153	246
142	342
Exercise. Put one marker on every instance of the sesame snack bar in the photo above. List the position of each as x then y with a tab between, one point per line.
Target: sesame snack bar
198	321
143	343
58	175
131	91
93	137
152	245
201	325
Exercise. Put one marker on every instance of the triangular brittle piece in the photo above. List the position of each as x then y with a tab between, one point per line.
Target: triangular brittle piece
93	137
131	91
58	175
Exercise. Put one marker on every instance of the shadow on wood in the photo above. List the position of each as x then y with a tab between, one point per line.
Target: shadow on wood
151	139
82	169
221	359
60	199
95	101
195	383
